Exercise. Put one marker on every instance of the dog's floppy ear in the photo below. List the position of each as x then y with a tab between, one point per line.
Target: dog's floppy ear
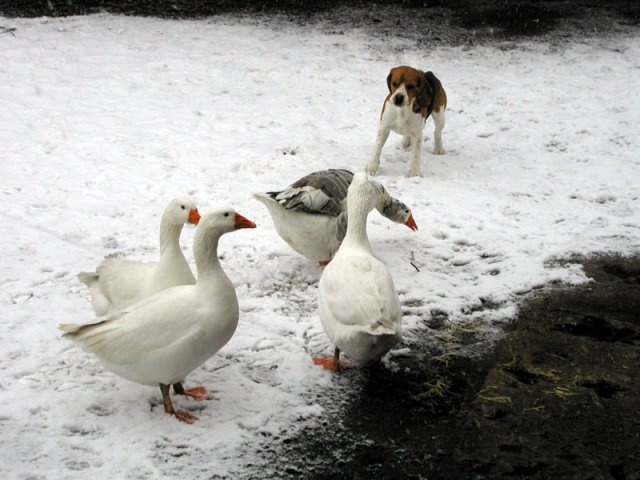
433	81
389	80
426	97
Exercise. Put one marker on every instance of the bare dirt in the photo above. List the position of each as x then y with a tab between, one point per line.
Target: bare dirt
557	398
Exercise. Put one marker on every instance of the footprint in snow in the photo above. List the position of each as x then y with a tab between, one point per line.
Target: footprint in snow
100	410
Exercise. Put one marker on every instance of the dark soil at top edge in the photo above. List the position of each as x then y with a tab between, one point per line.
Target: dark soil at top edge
426	22
557	398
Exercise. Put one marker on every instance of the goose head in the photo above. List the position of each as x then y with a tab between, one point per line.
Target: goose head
394	209
221	221
212	226
181	210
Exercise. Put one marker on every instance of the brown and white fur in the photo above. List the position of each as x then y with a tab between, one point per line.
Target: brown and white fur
414	95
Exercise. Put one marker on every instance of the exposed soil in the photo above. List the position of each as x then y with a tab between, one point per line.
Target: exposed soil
557	398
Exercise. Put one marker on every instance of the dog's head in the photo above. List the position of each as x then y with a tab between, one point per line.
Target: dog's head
409	86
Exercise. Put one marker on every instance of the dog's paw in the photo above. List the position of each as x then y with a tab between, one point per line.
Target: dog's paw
406	143
371	168
438	151
415	172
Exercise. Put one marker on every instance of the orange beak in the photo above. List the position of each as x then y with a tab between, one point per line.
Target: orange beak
411	223
194	216
242	222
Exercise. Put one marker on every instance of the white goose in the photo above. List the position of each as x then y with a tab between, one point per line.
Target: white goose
359	307
161	339
118	282
311	214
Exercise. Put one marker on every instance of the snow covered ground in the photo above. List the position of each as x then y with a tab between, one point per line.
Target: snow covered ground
104	118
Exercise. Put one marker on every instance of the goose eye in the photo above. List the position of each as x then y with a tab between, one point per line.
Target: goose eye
226	214
182	207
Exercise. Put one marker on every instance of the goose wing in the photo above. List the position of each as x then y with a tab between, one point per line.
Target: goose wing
151	325
320	192
122	281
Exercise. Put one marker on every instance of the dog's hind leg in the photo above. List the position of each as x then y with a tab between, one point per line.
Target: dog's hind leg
438	120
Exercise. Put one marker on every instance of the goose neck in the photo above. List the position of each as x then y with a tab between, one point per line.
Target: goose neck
205	252
357	224
169	238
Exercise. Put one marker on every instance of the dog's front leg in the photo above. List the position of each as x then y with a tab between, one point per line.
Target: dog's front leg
415	169
374	163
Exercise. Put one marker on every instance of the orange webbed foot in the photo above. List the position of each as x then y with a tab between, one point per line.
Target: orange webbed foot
181	415
330	363
199	393
185	417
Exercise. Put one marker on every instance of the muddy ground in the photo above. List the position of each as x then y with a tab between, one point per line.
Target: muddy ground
557	398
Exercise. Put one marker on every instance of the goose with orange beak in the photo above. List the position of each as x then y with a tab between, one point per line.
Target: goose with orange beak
311	214
119	282
163	338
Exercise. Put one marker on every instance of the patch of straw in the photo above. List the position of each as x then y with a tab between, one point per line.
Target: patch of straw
560	392
486	396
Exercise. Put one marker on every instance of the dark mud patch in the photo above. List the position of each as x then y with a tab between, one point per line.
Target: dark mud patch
563	398
558	397
513	18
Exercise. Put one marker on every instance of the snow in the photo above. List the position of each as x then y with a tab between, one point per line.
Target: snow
105	118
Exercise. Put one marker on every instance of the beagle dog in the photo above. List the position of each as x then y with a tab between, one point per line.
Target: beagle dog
414	95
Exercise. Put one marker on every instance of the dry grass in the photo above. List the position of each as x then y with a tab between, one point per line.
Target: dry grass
485	395
560	392
435	392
